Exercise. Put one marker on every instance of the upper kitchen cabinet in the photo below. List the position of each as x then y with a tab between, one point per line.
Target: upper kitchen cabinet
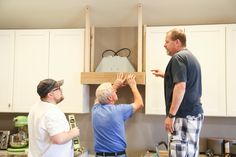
207	43
6	68
66	61
230	68
29	56
156	57
31	66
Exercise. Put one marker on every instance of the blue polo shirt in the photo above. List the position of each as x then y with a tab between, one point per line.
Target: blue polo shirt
109	126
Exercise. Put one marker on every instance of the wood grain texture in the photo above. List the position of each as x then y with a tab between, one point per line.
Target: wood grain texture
101	77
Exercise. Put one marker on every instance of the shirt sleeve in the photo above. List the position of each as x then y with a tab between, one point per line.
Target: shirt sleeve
179	70
126	110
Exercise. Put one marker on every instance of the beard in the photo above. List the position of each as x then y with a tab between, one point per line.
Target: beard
60	99
168	52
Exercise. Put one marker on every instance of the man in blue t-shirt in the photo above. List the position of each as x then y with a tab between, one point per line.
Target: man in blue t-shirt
108	118
183	91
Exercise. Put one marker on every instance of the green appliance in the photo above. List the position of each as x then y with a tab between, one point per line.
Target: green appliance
19	140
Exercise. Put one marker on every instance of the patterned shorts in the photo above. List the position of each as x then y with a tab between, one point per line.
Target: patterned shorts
184	141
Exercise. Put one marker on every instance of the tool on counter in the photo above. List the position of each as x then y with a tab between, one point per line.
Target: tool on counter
78	149
4	138
161	150
157	151
160	153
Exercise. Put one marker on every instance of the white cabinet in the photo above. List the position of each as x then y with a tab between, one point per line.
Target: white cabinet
230	69
156	57
6	68
207	43
31	66
66	62
28	56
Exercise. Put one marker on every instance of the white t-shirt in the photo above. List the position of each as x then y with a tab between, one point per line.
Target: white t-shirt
45	120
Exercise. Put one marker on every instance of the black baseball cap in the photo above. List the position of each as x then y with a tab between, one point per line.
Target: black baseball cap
47	85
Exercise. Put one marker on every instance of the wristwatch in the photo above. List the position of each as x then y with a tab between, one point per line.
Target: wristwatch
171	115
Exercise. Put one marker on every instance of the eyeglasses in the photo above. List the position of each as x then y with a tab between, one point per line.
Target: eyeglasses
55	89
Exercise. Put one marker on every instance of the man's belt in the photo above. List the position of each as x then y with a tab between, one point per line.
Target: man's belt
110	153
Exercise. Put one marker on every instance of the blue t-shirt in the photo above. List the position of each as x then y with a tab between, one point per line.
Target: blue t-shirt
108	126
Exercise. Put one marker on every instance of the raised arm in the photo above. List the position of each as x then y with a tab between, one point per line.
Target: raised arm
138	101
120	81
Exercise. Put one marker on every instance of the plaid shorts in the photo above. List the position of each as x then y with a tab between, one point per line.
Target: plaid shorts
184	141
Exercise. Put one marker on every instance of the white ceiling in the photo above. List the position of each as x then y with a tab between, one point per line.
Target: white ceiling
113	13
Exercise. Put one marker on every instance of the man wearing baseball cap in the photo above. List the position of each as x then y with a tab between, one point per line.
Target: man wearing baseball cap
49	131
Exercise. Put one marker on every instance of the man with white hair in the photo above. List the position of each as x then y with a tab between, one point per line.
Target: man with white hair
108	118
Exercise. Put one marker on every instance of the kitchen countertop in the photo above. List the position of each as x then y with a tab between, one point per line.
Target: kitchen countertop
166	155
4	153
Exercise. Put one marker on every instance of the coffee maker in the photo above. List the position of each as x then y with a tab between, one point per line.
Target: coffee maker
19	140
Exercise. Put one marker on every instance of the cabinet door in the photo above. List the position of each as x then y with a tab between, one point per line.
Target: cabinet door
156	57
230	69
31	66
207	43
6	68
67	62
